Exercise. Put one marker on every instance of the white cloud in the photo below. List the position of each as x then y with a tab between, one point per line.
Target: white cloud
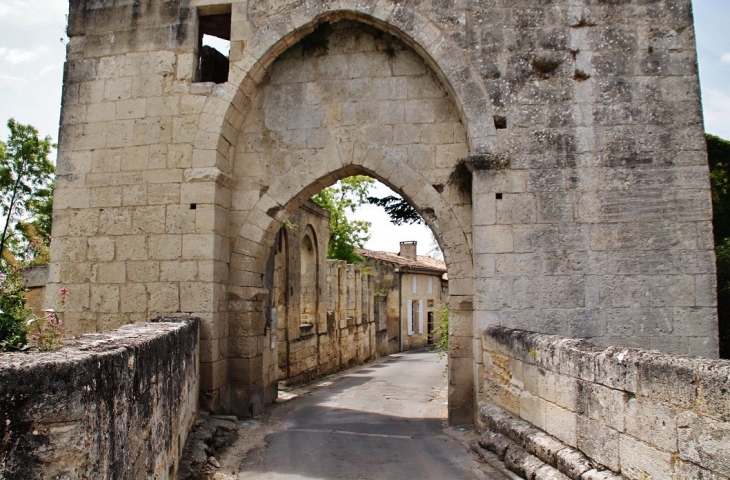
386	237
12	79
25	80
717	112
725	58
15	56
46	70
34	12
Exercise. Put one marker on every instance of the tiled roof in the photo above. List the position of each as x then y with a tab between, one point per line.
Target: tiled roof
423	262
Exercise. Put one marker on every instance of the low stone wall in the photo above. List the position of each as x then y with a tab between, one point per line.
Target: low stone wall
639	413
117	404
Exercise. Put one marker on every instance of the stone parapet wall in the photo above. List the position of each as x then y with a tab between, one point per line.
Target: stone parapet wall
117	404
640	413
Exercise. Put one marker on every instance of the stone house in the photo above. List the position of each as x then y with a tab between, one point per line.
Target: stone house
410	291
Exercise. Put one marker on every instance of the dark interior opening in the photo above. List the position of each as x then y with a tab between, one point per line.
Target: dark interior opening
500	122
214	24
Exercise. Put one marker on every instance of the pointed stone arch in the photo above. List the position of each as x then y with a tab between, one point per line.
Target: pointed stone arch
226	107
225	112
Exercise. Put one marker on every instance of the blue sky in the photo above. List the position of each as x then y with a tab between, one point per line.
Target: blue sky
33	48
712	22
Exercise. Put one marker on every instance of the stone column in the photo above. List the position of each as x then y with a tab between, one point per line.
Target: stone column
490	180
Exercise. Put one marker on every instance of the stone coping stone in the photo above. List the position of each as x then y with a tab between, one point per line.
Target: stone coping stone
532	453
86	406
704	383
78	349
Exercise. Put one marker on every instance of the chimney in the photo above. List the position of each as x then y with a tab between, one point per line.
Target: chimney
408	250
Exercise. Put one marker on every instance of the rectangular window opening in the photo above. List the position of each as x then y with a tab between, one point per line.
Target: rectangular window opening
214	43
409	317
420	316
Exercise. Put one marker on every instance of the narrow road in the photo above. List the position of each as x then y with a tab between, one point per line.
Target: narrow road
385	420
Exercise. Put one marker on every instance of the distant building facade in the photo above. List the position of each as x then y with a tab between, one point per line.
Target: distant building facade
324	315
410	291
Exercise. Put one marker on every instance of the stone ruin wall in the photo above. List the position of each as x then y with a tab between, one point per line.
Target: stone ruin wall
113	405
553	403
385	292
351	301
340	332
590	209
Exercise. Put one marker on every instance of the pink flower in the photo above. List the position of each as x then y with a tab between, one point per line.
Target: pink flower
3	277
64	295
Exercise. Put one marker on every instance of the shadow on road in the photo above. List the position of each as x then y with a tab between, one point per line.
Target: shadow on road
385	420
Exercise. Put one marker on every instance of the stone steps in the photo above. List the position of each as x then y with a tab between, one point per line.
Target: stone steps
530	452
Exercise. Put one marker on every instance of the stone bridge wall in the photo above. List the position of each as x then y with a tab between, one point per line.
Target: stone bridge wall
642	413
117	404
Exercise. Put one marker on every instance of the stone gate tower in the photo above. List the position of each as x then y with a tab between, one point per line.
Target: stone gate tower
554	147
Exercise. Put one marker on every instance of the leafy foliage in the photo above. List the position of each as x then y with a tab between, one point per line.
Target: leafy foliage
346	235
25	187
47	331
441	332
400	211
26	199
719	159
12	309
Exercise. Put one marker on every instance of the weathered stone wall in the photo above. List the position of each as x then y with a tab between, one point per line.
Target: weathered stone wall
591	206
641	413
117	404
324	308
299	324
34	281
350	313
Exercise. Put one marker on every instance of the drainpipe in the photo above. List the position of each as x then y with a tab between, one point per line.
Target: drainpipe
400	308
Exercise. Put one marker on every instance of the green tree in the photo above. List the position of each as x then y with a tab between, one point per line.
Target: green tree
12	309
440	335
25	185
341	199
399	211
718	151
26	196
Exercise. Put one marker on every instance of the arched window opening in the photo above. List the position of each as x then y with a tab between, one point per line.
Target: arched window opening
309	284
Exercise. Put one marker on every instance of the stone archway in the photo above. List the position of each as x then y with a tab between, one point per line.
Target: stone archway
574	220
220	146
391	117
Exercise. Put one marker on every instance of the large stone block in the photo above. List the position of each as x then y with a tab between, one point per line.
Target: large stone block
703	441
652	423
599	442
640	461
606	405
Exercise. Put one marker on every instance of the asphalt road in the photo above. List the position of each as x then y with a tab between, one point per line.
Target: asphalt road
383	421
